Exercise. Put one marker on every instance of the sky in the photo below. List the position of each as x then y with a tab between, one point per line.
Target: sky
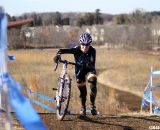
19	7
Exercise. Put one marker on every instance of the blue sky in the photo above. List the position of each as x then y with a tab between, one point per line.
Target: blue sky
18	7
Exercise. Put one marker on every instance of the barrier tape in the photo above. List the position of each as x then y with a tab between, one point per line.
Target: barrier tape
23	108
4	101
42	96
147	97
49	99
43	105
3	31
144	103
11	57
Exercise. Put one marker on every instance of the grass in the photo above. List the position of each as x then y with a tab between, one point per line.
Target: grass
127	70
120	69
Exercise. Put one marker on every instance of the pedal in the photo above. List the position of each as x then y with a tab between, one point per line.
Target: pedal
54	98
68	112
54	89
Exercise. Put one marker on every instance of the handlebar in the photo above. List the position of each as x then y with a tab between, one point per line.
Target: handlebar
56	66
64	62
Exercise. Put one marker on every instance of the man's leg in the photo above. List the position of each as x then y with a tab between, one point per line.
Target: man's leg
92	79
83	96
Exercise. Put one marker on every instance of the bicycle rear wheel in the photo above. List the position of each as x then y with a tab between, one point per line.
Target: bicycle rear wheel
63	96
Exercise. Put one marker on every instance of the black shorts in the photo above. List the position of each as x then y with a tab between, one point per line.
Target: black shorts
81	75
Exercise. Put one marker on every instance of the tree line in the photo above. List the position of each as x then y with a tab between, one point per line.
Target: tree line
57	18
139	16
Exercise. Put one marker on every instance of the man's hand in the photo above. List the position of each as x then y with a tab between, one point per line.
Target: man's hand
57	58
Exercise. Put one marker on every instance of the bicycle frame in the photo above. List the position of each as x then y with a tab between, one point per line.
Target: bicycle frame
64	70
63	90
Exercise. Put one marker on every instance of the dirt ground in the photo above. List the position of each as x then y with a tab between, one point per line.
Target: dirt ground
100	122
103	122
126	117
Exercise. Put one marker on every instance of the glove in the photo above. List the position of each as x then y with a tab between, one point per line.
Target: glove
57	58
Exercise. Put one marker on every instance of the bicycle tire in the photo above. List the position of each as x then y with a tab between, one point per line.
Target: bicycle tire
63	96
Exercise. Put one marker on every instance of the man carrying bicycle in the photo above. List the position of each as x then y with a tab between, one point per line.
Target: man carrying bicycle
85	55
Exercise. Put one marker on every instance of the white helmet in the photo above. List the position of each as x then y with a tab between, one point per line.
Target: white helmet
85	39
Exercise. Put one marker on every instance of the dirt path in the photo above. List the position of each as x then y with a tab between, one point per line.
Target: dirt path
104	122
121	122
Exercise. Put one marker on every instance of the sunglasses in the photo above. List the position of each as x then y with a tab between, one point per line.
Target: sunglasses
83	44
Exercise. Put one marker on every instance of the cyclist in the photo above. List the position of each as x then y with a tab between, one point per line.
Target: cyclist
85	55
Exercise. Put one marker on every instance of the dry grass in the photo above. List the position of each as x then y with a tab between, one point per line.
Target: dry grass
124	70
127	70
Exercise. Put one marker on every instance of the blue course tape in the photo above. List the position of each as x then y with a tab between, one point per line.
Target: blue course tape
147	97
143	102
43	105
11	57
43	96
23	108
3	31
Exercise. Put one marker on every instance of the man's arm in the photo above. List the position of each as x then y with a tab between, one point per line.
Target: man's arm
67	51
63	51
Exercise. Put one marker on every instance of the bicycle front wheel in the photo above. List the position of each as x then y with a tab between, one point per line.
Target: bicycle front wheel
63	96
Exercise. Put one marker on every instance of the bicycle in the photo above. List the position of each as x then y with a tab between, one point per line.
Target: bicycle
63	90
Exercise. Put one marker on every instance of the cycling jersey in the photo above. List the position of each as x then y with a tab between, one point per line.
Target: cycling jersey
89	59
